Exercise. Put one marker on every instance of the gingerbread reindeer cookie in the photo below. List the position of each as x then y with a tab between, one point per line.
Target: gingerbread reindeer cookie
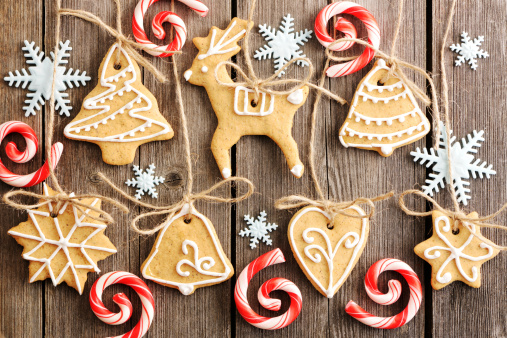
237	112
120	113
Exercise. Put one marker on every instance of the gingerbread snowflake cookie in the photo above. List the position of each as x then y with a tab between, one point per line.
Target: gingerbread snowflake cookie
64	248
326	248
383	117
237	111
120	113
455	256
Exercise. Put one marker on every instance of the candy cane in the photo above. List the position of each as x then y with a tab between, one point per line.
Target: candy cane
390	297
25	181
240	294
165	16
108	317
343	25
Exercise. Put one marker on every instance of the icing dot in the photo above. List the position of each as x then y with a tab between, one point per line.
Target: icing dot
402	119
370	137
367	122
87	129
112	117
386	149
358	119
389	122
204	69
379	123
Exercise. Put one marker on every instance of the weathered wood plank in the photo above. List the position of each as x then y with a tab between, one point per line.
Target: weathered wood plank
477	100
19	300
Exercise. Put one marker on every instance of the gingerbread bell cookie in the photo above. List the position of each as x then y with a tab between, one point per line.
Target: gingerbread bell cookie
237	111
66	247
120	113
455	256
326	248
383	116
187	254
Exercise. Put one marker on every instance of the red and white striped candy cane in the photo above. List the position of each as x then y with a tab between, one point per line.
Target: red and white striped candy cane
165	16
390	297
240	294
25	181
343	25
108	317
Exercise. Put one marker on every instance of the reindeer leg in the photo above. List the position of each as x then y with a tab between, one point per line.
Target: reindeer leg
289	148
223	140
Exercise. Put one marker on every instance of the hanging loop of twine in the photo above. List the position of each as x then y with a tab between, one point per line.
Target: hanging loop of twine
331	207
458	216
62	198
126	43
188	198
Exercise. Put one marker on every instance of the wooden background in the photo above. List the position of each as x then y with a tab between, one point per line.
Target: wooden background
478	102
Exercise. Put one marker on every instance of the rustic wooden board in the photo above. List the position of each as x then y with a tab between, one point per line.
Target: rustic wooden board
39	309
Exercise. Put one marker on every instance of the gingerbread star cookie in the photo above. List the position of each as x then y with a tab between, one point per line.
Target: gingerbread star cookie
455	257
120	113
64	248
237	111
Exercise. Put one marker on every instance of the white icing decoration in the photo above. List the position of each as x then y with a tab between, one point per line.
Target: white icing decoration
187	288
71	130
201	265
297	97
218	48
297	170
423	126
63	243
226	173
204	69
246	103
329	253
456	253
187	75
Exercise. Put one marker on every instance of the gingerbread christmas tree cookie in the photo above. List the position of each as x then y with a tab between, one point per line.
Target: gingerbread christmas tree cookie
383	117
455	256
64	248
120	113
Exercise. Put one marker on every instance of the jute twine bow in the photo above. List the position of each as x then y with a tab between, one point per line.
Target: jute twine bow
61	198
252	81
457	215
126	43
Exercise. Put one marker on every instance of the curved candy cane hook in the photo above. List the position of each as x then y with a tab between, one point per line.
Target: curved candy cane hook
240	294
164	16
108	317
13	153
370	284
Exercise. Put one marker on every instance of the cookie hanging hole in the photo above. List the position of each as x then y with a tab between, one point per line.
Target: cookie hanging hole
330	226
53	214
253	103
380	84
117	66
187	220
455	231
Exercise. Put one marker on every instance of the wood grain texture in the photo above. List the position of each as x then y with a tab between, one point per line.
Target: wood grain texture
478	100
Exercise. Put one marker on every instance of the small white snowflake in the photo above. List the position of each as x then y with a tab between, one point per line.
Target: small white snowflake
469	50
258	229
282	44
40	78
145	181
461	163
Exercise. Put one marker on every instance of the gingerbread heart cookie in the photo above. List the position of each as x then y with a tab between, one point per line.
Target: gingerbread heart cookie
327	249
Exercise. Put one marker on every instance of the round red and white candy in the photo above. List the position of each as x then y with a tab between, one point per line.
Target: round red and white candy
240	294
13	153
370	283
108	317
344	26
179	26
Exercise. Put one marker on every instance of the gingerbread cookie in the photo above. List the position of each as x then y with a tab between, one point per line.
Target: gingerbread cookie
119	114
64	248
327	249
187	254
237	112
455	257
383	117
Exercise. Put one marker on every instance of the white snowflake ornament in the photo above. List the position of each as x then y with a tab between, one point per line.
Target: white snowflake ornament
283	45
145	181
258	229
462	163
469	50
40	78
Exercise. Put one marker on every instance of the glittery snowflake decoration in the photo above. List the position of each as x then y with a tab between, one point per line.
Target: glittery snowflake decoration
283	45
145	181
469	50
258	229
462	163
40	79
